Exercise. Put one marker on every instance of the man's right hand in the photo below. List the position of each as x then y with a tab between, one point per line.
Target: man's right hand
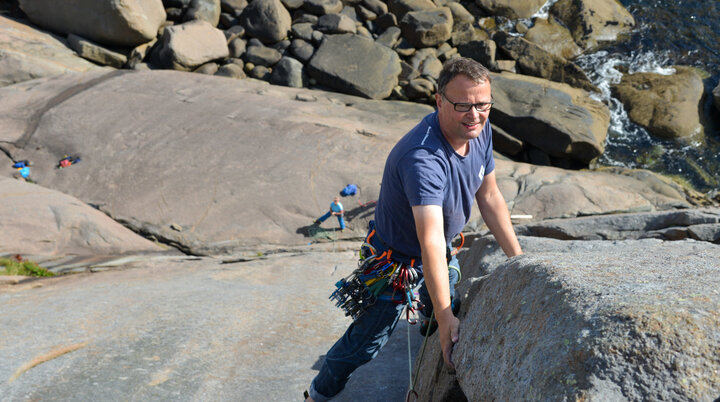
449	335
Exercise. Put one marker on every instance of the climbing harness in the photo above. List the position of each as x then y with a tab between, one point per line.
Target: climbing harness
377	274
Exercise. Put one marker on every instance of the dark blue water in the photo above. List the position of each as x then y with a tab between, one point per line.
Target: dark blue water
667	33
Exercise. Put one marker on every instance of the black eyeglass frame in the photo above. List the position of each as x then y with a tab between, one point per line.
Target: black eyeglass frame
484	105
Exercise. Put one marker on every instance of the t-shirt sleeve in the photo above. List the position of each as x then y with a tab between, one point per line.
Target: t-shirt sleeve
423	177
489	159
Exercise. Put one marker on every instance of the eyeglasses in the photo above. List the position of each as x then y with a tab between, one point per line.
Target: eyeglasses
465	107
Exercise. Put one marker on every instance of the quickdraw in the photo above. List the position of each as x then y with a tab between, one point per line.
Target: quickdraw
375	274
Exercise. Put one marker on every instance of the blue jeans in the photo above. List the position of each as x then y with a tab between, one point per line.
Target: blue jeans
364	338
341	221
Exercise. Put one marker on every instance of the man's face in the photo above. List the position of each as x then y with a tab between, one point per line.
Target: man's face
460	127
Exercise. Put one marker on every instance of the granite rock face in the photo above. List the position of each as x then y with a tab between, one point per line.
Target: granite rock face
594	320
110	22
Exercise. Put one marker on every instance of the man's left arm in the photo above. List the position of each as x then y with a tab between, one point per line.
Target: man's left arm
495	213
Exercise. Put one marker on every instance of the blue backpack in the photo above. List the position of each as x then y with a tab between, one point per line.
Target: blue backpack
350	189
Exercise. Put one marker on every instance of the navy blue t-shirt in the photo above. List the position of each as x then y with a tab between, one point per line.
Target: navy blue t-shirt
423	169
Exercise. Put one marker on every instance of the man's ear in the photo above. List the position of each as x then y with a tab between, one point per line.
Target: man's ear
438	100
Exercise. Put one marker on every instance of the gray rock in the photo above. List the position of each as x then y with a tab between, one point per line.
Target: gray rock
227	20
362	31
207	68
419	88
568	125
607	321
28	53
292	4
234	31
355	65
139	53
301	50
336	24
427	28
322	7
317	37
188	45
236	48
512	9
386	21
482	51
302	16
533	60
624	226
288	72
231	70
174	14
705	232
282	46
431	67
42	222
668	106
249	205
460	13
364	14
206	10
553	38
233	7
593	22
376	6
95	52
401	7
302	31
262	56
128	23
505	143
267	20
389	37
462	33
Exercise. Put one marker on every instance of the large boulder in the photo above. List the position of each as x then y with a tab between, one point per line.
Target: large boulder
267	20
112	22
355	65
585	320
401	7
41	222
427	28
668	106
531	59
93	51
206	163
189	45
562	121
545	192
512	9
592	22
28	53
553	37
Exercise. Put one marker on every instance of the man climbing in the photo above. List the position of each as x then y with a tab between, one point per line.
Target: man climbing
430	180
336	208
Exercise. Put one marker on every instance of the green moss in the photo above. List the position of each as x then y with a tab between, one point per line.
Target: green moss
650	159
27	268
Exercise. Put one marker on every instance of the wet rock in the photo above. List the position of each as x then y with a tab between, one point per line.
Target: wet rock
562	121
95	52
512	9
355	65
668	106
533	60
553	38
427	28
128	23
267	20
593	22
188	45
206	10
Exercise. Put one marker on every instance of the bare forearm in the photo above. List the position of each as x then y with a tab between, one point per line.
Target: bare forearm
435	272
497	217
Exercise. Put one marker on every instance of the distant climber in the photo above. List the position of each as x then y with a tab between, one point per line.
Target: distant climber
23	170
336	208
67	161
350	189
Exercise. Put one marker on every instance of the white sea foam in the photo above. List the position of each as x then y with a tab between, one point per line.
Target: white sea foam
543	12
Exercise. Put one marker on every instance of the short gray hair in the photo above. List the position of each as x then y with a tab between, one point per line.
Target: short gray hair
465	66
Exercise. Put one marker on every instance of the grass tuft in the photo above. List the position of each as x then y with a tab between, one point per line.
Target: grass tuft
18	266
